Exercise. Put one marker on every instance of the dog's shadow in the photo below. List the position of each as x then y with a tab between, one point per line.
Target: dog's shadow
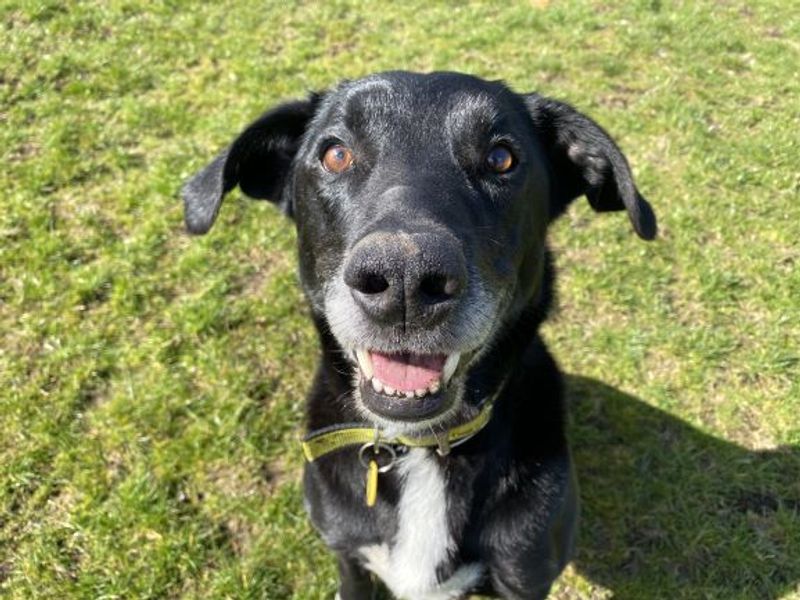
670	511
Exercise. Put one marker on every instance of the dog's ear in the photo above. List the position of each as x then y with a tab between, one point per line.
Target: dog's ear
258	161
585	160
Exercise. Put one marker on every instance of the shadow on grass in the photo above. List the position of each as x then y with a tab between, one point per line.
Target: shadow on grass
670	511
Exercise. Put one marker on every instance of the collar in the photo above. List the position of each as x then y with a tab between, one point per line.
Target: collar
320	442
323	441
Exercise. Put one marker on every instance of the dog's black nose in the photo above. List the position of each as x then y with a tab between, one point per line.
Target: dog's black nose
412	279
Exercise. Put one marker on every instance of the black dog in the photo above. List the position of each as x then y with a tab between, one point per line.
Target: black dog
421	204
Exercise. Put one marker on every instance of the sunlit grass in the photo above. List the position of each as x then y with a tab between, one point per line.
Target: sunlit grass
151	384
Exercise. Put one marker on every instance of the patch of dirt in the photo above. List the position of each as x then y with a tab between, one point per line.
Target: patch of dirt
24	152
279	471
266	262
243	480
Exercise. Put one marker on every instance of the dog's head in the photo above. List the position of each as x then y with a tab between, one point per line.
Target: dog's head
421	204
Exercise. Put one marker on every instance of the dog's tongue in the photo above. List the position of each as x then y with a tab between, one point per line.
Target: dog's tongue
408	372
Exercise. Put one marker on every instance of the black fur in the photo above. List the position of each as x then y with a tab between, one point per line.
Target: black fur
419	142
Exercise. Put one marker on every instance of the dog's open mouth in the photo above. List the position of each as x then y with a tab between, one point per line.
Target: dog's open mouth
404	385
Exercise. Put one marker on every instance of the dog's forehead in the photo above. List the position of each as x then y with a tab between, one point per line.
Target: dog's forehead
448	99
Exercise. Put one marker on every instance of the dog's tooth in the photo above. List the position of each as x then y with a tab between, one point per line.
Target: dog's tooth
388	390
420	393
377	385
365	362
434	387
409	394
450	366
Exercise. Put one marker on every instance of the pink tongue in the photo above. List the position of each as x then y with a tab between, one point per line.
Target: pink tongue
407	372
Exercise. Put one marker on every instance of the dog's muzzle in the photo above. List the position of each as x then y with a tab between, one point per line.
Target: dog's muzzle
409	282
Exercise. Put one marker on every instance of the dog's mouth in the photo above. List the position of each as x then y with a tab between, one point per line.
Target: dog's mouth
405	386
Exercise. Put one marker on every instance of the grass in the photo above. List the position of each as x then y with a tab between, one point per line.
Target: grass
152	384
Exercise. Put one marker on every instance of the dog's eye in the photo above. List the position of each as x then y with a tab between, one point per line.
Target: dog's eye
337	159
499	159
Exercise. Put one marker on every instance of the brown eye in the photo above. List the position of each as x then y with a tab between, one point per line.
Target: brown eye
500	159
337	159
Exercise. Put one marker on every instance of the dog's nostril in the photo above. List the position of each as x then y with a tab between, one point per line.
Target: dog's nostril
373	283
438	288
366	281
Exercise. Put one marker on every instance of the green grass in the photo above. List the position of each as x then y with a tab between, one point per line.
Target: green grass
151	384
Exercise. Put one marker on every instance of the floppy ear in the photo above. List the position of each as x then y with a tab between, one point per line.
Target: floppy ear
585	160
258	161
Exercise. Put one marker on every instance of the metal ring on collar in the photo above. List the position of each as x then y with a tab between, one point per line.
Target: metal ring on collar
377	447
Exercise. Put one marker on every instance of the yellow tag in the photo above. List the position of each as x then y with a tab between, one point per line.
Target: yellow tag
372	483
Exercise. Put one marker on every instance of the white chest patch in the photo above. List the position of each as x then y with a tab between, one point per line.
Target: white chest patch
423	541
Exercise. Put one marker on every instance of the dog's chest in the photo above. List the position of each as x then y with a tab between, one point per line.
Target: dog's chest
423	542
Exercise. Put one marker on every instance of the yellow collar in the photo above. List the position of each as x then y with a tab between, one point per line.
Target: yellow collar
323	441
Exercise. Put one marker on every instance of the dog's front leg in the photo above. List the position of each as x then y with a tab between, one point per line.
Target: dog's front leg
355	582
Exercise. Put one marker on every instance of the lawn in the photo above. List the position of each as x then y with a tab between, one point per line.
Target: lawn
152	383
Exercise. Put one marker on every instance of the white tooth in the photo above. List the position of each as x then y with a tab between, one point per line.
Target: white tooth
420	393
434	387
450	366
377	385
365	362
389	391
409	394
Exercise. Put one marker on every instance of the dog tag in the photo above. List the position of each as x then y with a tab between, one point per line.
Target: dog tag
372	483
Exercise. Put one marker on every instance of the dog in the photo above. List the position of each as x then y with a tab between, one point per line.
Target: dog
437	457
